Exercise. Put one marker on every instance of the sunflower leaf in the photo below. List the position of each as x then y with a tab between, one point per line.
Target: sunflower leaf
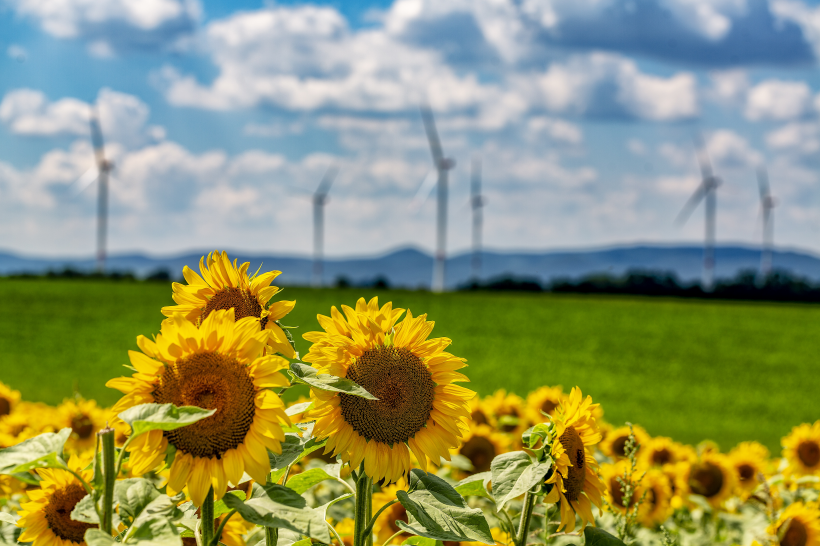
420	541
43	451
475	485
278	506
436	511
302	373
220	508
133	495
294	448
512	480
598	537
307	479
147	417
9	518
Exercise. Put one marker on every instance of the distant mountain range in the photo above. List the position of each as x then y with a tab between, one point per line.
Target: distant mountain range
412	268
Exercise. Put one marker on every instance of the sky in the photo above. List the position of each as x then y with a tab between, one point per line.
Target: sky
222	117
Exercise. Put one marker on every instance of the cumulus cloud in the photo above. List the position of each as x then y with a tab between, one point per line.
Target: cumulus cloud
800	137
123	117
729	150
778	100
110	26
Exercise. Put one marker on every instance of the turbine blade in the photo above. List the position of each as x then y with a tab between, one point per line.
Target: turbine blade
327	181
97	139
763	184
87	178
703	158
425	189
691	205
432	135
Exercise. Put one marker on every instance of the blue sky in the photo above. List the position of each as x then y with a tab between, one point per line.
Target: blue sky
221	117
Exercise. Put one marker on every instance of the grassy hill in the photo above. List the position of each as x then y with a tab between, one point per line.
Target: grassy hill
687	369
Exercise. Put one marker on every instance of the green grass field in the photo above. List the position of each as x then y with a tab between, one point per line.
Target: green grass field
687	369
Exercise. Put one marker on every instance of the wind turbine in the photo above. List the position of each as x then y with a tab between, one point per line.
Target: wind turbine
767	204
442	165
705	192
319	201
476	202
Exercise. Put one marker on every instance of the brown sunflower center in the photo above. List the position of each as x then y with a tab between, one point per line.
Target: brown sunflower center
617	493
58	513
577	473
511	421
548	406
82	426
479	417
745	472
619	446
212	381
5	406
661	456
480	451
796	534
706	479
397	512
809	453
243	303
404	388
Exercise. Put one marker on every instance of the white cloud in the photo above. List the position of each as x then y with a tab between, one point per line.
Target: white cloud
729	150
17	52
556	129
778	100
112	25
800	137
728	86
636	146
123	117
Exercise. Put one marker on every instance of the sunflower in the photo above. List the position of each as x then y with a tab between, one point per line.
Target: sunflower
801	448
8	399
614	446
84	418
419	409
575	480
653	492
479	412
223	285
345	529
713	477
481	444
544	400
749	460
660	451
798	525
46	519
508	413
216	366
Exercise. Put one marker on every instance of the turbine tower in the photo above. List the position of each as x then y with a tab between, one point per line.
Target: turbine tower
319	201
767	204
442	165
476	202
103	169
705	192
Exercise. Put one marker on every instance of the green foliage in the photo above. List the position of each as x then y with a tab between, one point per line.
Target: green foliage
594	536
302	373
148	417
43	451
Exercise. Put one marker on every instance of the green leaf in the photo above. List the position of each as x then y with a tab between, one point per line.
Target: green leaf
95	537
598	537
43	451
475	485
302	373
303	542
281	507
9	518
506	469
155	521
147	417
85	511
296	409
531	476
307	479
220	508
294	448
133	495
436	511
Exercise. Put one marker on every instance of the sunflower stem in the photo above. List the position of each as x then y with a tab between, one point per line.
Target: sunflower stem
364	492
109	473
271	536
208	518
218	533
372	523
526	517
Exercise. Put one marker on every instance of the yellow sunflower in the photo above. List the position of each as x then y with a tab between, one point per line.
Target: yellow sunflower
481	445
801	449
798	525
660	451
713	477
85	418
615	443
479	412
345	529
386	524
8	399
224	285
575	480
221	366
543	400
46	519
419	408
653	492
508	413
749	460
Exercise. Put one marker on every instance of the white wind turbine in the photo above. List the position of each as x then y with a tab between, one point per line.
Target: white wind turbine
767	204
320	199
476	203
706	192
442	165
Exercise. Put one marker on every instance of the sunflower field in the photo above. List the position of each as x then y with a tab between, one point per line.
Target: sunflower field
389	449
